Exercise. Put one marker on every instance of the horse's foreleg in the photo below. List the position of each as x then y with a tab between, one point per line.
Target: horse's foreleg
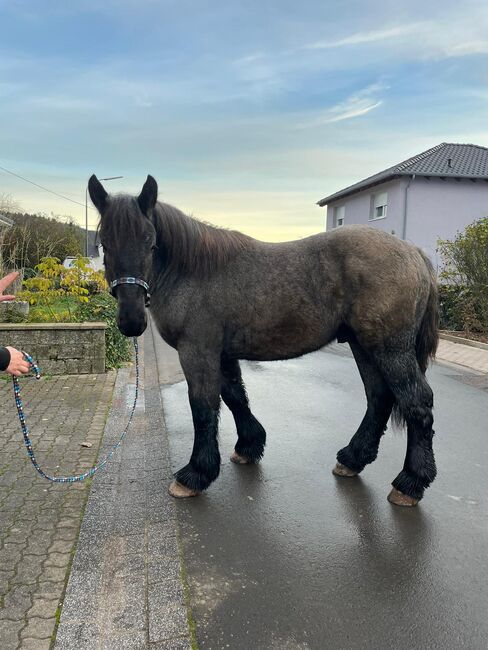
363	447
202	372
251	435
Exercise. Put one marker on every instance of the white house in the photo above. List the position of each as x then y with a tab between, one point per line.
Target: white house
428	197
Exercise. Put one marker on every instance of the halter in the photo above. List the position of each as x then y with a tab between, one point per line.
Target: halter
130	280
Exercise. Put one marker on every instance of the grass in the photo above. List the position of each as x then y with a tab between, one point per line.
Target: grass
60	311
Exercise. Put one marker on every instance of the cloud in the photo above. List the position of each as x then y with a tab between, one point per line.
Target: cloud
434	38
357	104
359	38
467	49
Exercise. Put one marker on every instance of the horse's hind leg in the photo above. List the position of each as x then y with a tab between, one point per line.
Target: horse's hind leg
363	447
414	400
251	435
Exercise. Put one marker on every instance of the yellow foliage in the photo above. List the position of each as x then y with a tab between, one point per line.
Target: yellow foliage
54	281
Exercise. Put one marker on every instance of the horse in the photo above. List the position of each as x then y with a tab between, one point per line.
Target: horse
219	296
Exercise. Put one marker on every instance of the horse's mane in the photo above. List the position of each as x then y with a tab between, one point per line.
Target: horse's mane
192	246
186	245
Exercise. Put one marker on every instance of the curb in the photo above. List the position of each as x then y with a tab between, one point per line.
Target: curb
459	339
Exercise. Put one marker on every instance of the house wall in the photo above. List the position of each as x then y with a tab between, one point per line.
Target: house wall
357	208
436	209
439	209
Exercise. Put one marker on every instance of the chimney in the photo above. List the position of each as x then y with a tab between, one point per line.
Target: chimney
449	163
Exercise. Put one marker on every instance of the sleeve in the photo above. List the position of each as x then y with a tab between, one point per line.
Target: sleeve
4	358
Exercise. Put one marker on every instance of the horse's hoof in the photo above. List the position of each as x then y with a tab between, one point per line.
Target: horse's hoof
180	491
342	470
399	499
239	460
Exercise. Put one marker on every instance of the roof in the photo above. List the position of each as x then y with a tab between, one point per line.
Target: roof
5	221
445	160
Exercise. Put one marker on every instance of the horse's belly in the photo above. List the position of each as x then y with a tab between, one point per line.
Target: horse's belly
285	340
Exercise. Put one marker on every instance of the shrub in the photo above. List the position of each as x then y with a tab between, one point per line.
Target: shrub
464	294
54	283
75	295
102	307
459	310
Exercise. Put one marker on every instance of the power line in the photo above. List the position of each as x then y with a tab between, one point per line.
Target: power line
43	188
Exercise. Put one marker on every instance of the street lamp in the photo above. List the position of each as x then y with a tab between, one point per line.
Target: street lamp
109	178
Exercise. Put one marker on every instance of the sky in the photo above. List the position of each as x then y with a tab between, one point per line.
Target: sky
246	112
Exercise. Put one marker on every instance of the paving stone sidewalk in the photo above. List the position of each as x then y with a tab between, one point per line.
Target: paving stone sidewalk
126	589
463	355
40	521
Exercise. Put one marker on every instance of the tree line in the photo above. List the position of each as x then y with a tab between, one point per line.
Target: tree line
34	236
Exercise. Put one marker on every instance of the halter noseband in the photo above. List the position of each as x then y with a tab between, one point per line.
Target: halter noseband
130	280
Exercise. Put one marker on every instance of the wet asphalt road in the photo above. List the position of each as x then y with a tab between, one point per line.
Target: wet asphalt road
285	555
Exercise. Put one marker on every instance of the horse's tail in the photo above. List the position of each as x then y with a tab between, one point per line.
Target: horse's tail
427	337
428	334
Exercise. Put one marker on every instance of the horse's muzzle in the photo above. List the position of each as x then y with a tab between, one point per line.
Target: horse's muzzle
130	325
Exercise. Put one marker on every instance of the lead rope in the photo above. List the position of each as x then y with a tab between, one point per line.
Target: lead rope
25	430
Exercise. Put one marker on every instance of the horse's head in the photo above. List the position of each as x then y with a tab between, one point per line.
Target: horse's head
128	238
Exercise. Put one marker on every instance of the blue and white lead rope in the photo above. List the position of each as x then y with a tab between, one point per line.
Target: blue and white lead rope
25	430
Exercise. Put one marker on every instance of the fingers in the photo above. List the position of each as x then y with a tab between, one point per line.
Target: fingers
17	371
7	280
18	364
7	297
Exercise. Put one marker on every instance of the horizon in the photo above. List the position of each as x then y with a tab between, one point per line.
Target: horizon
245	115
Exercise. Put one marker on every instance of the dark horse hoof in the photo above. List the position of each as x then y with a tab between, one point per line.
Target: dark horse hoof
238	459
399	499
342	470
181	491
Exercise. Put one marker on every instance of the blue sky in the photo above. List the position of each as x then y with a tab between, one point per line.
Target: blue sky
246	112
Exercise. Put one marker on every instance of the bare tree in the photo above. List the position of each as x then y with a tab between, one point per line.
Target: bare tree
8	203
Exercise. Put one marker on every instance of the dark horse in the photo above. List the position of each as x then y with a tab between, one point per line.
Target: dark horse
218	296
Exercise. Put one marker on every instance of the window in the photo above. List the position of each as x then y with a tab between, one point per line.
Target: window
379	204
339	214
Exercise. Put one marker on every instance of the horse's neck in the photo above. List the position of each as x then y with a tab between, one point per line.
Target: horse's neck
189	247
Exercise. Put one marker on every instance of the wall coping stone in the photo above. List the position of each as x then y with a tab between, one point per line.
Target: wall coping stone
52	326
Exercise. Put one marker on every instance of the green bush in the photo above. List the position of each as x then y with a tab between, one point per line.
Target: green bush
459	309
464	294
102	307
74	295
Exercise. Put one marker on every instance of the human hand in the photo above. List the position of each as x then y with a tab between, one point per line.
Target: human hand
6	282
18	364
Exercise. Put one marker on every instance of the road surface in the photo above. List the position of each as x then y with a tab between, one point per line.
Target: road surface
285	555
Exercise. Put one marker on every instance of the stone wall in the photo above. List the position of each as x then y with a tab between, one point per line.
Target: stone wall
59	348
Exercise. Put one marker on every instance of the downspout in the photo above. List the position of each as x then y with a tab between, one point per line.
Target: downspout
405	206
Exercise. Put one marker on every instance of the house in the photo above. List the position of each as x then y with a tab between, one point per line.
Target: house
428	197
5	222
95	253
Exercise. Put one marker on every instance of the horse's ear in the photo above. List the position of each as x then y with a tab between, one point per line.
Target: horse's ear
149	195
98	194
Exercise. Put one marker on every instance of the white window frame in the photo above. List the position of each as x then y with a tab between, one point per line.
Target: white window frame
338	210
379	201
